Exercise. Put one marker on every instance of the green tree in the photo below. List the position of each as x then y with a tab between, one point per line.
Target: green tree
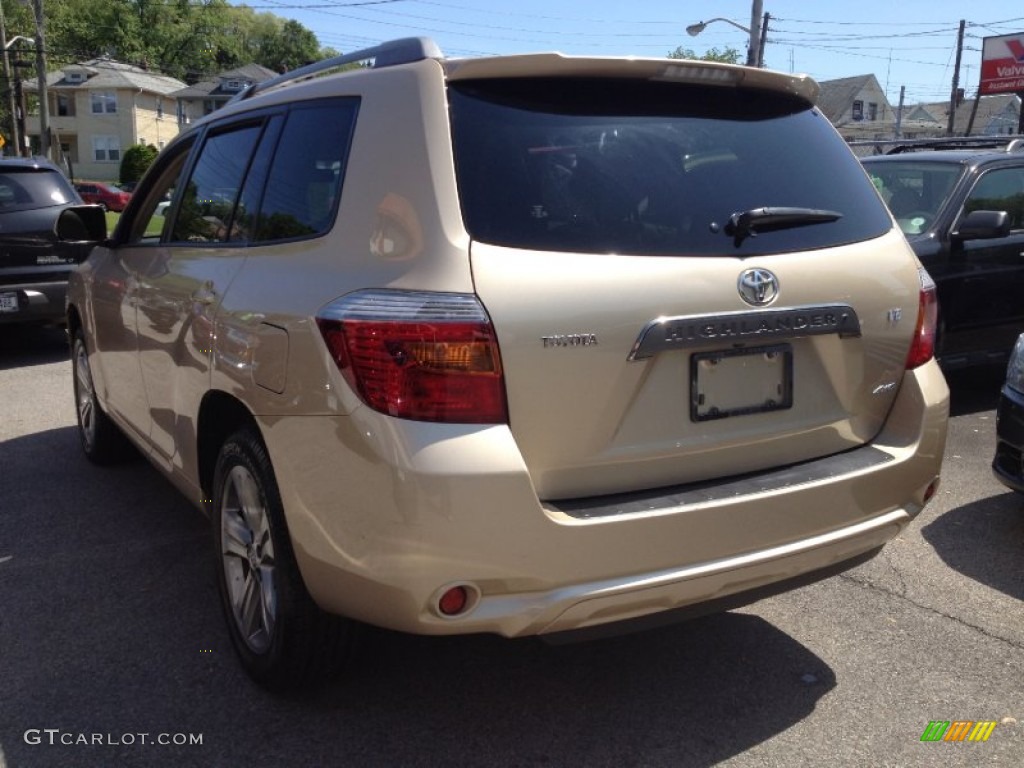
136	161
187	39
727	55
290	48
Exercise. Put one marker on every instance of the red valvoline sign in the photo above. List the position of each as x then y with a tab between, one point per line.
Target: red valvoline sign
1002	65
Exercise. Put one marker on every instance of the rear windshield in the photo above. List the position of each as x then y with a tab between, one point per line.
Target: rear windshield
651	168
29	189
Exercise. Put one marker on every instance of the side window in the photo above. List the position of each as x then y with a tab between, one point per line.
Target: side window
305	177
243	224
207	201
150	218
1000	190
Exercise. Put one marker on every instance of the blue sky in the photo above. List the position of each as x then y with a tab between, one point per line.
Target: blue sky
902	42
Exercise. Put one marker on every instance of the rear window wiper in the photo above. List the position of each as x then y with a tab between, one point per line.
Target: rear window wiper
748	223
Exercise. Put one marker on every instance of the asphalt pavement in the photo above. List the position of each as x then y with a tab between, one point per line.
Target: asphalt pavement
113	651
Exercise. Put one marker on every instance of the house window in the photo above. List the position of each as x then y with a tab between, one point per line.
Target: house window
106	148
159	108
209	105
872	111
858	110
104	103
65	105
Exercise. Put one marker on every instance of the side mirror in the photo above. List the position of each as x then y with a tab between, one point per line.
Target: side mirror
983	225
82	223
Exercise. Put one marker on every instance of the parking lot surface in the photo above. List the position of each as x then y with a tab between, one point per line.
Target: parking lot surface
113	650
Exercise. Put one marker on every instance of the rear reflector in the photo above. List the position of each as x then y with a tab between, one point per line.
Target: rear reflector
922	349
454	601
418	355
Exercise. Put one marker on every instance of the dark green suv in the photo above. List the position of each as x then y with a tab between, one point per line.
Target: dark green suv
961	208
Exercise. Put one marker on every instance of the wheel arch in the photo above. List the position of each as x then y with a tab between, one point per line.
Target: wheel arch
220	416
74	321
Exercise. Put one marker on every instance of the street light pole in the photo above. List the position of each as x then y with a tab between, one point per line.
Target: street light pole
15	102
11	107
756	33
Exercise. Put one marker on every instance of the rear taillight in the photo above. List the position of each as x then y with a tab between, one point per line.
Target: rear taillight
418	355
923	347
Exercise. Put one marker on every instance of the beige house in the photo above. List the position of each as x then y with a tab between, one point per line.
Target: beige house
204	97
987	116
99	108
857	107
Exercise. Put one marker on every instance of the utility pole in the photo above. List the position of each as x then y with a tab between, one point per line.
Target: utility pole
764	37
956	77
19	121
899	112
974	113
44	99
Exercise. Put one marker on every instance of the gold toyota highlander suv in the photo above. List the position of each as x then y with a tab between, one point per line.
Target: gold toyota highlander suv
521	345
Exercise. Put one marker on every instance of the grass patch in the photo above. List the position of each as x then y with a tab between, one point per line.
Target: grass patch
153	229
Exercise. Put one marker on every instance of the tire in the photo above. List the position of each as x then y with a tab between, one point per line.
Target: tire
102	442
284	641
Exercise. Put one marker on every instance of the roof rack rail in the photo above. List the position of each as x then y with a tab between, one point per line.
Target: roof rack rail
402	51
1005	143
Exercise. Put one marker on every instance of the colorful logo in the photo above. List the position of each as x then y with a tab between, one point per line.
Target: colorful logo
958	730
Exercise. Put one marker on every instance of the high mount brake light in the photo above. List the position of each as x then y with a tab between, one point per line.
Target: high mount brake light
418	355
922	349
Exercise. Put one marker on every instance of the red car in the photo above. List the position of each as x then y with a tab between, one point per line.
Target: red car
107	195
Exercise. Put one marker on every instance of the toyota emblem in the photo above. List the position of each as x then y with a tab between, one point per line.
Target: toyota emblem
758	287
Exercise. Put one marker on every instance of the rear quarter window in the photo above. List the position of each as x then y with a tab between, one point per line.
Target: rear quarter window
305	177
650	168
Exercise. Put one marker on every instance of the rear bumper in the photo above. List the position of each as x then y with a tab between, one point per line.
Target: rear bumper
591	604
386	515
713	605
1008	464
37	302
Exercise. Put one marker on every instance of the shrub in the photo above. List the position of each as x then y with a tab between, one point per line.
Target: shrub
136	160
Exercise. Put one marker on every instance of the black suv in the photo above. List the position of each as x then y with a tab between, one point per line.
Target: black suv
960	203
34	266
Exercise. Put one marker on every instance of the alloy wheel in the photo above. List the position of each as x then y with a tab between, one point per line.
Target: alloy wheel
86	400
247	555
